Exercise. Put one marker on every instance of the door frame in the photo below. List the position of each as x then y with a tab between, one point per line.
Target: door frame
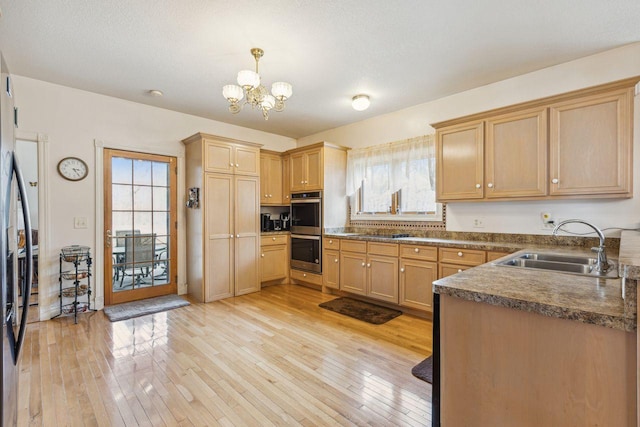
177	151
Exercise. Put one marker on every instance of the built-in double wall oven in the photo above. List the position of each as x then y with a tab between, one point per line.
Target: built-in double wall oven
306	231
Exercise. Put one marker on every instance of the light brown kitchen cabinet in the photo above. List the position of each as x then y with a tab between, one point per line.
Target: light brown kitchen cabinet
445	270
224	233
274	257
271	187
331	263
223	156
418	270
590	145
573	145
493	255
460	162
516	154
453	260
286	189
306	170
371	270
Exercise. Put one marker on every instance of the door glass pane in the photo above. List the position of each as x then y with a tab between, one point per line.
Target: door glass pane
141	198
160	174
122	221
161	222
160	198
142	222
121	170
121	197
142	172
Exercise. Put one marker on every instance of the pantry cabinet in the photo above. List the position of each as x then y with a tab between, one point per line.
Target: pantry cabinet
224	232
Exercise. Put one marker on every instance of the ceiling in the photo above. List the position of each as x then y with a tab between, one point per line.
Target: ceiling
400	52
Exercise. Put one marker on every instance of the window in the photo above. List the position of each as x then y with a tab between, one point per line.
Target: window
394	181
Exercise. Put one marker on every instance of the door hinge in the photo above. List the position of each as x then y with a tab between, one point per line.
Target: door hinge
175	170
175	278
175	224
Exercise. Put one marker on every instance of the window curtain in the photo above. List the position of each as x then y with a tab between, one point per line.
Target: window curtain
394	161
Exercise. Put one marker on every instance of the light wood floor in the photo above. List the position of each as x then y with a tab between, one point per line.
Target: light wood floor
268	358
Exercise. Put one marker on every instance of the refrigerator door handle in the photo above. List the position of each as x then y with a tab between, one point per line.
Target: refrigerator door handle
28	274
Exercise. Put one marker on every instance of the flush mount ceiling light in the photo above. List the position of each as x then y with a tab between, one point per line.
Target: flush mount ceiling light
254	93
360	102
155	92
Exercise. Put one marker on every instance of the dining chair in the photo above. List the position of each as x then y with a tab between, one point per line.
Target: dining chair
139	257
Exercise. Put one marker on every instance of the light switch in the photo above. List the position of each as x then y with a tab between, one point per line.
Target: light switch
80	222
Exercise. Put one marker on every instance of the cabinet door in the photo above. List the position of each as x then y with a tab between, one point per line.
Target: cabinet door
219	259
286	181
445	270
275	180
297	172
314	173
264	179
273	262
218	157
353	272
590	145
459	162
383	278
247	235
516	154
416	278
247	160
331	269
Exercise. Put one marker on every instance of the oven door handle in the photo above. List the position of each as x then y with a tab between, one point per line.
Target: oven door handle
294	201
306	237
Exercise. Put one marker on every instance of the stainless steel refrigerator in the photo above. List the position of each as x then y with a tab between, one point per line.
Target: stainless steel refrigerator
15	293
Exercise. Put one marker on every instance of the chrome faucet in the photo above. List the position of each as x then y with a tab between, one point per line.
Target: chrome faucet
602	264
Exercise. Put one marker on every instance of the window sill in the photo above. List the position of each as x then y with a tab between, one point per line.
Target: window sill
435	217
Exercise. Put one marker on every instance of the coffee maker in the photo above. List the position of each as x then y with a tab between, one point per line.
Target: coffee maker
265	222
284	220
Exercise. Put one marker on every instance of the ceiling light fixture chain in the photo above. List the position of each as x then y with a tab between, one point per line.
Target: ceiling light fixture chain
250	89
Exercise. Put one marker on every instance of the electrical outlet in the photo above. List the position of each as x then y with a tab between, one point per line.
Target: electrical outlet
478	223
80	222
548	222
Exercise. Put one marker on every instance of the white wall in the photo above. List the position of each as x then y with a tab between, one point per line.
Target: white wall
74	122
511	217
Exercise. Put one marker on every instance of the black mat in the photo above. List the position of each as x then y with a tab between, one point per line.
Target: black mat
424	370
144	307
361	310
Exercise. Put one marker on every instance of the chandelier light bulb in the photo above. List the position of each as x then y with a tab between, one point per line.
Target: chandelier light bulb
232	92
248	79
360	102
281	90
268	102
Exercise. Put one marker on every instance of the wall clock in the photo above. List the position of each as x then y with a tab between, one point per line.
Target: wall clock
73	168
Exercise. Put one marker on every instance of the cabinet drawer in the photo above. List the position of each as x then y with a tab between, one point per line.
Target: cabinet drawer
279	239
331	243
445	270
353	246
304	276
426	253
462	256
492	256
388	249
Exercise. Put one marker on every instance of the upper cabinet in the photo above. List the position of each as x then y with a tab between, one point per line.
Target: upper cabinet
575	145
271	182
226	157
306	170
590	145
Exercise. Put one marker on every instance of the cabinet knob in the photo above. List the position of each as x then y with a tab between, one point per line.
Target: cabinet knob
478	185
262	255
304	274
554	181
402	270
231	235
490	185
368	265
237	165
363	264
273	238
459	270
270	195
231	164
286	197
301	182
459	253
416	250
266	196
331	242
335	260
238	236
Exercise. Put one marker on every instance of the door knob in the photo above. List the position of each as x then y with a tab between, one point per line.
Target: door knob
108	238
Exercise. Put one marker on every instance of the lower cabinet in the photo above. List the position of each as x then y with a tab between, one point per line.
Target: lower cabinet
353	272
331	269
418	270
274	258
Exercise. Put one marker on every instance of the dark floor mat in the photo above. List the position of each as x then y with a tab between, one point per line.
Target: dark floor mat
361	310
424	370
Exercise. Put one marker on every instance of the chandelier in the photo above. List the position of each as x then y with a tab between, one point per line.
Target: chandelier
254	93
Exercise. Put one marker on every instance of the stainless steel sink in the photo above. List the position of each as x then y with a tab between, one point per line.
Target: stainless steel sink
559	263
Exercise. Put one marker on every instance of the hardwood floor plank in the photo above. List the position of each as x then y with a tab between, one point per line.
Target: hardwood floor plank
271	358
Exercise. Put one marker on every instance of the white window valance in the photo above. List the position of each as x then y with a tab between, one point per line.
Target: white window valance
399	169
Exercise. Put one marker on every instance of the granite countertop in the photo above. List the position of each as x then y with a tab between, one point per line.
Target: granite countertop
568	296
